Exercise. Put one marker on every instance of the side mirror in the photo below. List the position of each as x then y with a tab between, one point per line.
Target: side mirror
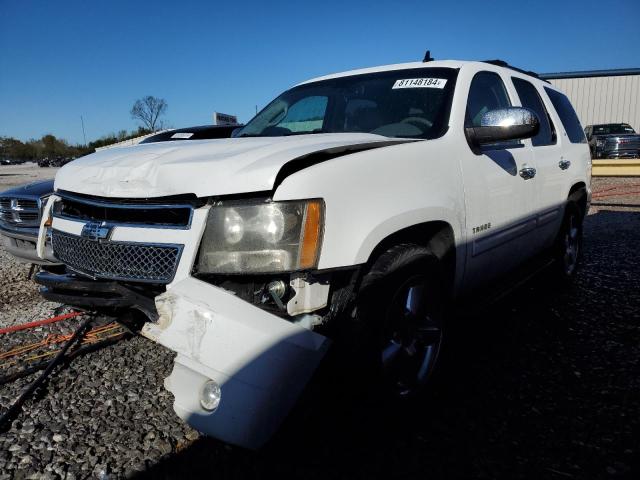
511	123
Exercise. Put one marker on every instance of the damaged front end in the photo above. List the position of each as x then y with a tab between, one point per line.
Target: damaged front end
227	285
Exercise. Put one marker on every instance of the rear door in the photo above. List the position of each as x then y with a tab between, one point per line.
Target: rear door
575	159
551	167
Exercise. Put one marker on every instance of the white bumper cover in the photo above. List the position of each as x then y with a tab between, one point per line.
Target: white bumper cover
260	361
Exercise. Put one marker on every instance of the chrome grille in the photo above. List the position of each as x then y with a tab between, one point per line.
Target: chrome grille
140	262
149	213
24	204
23	212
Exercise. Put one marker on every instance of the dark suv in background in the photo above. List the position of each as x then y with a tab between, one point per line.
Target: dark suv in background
202	132
613	140
20	214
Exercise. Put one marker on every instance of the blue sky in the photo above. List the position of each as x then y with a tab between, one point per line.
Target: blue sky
63	59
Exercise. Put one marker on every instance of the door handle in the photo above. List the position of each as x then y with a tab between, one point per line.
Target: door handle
564	164
528	173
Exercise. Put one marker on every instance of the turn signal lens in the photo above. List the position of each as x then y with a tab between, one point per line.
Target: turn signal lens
310	244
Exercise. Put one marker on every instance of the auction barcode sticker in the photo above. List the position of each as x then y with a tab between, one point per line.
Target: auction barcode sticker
420	83
183	135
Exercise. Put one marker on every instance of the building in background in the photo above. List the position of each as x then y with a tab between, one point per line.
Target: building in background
224	119
602	96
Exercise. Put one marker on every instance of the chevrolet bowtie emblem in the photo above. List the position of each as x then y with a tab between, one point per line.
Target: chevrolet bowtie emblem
96	231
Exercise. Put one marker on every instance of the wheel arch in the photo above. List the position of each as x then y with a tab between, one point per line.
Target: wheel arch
436	235
578	193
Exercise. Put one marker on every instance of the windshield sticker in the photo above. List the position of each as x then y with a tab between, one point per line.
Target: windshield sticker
420	83
184	135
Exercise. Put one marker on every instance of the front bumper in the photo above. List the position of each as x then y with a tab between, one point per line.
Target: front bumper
260	361
621	154
21	243
609	152
76	291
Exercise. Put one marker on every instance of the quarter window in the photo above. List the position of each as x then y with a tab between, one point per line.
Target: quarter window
567	115
530	98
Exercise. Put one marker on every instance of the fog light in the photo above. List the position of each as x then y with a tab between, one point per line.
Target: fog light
210	395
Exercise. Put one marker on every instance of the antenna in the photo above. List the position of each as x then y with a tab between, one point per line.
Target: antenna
427	57
83	134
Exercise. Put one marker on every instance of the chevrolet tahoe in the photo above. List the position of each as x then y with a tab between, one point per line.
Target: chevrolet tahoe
360	203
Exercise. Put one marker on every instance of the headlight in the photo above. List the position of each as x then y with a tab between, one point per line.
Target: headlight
599	142
263	238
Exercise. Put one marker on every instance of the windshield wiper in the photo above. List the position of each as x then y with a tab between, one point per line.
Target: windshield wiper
244	135
312	132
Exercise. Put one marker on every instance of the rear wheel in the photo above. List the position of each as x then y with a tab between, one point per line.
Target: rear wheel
568	246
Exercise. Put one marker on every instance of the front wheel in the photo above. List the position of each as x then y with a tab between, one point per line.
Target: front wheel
400	311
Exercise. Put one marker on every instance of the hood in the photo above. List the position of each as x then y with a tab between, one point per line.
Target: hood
35	189
201	167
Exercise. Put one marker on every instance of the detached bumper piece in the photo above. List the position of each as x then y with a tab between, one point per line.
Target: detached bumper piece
258	363
76	291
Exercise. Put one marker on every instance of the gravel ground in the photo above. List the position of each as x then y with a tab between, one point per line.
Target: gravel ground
105	415
543	385
15	175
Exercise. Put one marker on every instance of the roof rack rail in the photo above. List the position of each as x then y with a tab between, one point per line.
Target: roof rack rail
502	63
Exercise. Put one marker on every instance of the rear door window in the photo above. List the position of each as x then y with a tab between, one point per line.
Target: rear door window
530	98
567	115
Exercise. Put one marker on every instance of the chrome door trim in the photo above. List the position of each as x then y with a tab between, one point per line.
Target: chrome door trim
504	235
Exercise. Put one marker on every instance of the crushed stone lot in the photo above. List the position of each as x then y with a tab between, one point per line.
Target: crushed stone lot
16	175
543	385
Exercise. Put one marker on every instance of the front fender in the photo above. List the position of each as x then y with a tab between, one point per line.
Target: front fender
371	195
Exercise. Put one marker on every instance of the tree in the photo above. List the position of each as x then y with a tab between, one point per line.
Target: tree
54	147
148	109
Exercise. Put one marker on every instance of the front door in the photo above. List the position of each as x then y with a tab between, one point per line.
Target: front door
499	191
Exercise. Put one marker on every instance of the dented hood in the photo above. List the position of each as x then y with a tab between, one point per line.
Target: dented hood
201	167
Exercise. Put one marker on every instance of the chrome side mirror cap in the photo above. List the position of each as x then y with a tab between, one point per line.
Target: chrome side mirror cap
511	123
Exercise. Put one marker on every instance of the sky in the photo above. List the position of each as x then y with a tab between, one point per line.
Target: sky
60	60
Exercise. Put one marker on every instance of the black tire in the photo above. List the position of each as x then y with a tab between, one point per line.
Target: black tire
567	250
398	323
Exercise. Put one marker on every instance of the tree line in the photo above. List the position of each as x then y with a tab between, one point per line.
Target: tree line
146	110
48	146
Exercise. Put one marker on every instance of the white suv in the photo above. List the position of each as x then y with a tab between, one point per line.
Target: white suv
352	211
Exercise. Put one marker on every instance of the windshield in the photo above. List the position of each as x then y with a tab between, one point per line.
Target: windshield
411	103
612	129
